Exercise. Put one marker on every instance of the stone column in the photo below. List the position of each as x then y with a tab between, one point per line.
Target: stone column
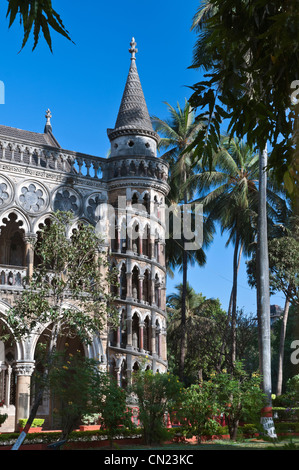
129	328
153	339
7	386
118	239
141	326
23	370
29	240
129	285
140	281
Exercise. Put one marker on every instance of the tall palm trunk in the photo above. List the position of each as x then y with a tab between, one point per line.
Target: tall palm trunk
229	315
234	302
263	296
281	344
183	344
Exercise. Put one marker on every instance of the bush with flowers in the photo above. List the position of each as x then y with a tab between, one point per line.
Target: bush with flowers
156	394
239	396
4	416
80	387
199	411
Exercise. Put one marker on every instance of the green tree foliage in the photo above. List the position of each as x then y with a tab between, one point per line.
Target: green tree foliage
177	133
249	51
239	396
205	324
77	386
156	394
199	410
36	16
67	291
114	409
283	263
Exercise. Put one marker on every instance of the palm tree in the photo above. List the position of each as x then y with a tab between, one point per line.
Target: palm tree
229	193
178	132
199	321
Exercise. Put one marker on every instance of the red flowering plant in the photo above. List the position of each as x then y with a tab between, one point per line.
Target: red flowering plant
199	411
3	417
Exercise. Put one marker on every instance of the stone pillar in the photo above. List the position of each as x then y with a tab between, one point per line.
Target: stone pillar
153	339
129	285
7	386
118	240
23	370
129	328
140	281
29	240
141	326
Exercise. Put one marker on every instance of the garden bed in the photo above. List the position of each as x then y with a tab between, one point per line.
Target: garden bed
97	439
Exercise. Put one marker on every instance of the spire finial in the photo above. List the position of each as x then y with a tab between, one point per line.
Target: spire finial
48	116
133	49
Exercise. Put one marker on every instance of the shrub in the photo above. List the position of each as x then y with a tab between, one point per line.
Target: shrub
37	423
198	411
156	394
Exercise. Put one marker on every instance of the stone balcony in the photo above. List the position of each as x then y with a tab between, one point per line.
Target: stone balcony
12	277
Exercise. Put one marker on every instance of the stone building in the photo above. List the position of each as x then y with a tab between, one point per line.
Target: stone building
37	177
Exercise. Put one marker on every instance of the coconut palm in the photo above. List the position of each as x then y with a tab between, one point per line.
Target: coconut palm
177	133
229	193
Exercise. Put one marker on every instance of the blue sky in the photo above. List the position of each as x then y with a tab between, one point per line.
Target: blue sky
82	84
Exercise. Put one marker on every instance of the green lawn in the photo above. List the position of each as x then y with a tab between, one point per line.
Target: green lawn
248	444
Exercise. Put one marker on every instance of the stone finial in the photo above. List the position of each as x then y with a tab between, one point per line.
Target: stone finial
133	49
48	116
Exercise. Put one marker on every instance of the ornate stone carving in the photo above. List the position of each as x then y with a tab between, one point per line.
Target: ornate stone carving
6	192
66	199
33	197
24	368
92	203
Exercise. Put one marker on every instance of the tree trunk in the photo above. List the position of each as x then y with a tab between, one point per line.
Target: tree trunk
281	345
234	302
263	278
183	319
183	344
228	319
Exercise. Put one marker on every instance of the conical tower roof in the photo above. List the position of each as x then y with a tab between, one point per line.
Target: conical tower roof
133	116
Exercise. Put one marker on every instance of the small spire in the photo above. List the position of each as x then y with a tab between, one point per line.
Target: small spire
133	49
48	116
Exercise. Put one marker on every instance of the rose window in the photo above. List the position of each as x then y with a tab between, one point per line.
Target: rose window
3	193
31	198
66	201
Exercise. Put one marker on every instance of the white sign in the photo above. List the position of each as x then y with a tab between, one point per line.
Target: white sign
268	425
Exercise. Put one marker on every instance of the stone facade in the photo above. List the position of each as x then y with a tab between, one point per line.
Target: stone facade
37	177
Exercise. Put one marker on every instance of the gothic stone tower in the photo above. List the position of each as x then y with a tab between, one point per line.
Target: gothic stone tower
37	177
137	187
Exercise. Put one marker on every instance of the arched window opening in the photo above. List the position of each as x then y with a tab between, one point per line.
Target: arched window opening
135	283
123	282
135	331
123	375
147	202
12	245
123	328
146	286
146	241
147	334
158	338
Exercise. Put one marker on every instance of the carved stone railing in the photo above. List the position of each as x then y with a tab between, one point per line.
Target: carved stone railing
79	164
121	167
12	276
51	158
